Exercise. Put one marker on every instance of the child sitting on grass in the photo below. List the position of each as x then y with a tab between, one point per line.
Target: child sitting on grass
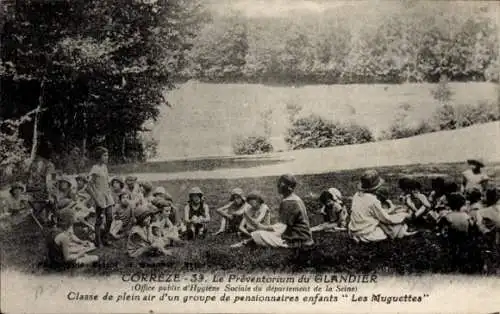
413	198
382	195
488	217
232	212
123	216
140	240
147	189
397	230
81	213
474	200
436	196
82	195
333	211
164	220
160	194
293	229
196	214
16	202
64	191
454	220
135	190
117	188
65	248
258	210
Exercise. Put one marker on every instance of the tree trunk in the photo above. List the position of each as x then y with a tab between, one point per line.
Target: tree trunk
123	147
34	145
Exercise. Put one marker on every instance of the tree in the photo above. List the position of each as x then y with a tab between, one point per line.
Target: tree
99	68
220	50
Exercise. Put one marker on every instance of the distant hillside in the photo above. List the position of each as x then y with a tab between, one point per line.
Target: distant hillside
206	118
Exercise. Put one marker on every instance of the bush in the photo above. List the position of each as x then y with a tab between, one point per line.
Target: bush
316	132
448	117
445	117
252	145
398	130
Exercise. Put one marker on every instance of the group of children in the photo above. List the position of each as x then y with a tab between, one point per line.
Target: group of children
150	222
451	209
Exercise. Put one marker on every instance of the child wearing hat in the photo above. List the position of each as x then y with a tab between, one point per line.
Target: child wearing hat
122	216
196	214
66	247
16	202
332	210
134	189
232	212
140	240
64	191
368	216
159	195
100	191
474	177
258	210
293	229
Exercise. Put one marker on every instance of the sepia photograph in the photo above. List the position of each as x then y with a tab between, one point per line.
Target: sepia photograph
310	156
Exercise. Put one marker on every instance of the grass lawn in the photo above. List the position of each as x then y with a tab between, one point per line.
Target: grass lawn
195	164
23	248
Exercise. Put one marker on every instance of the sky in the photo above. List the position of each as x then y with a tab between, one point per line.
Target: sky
272	8
276	8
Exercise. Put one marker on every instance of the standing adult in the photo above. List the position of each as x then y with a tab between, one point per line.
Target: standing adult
369	221
101	192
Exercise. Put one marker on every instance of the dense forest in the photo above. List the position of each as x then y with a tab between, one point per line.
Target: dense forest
83	73
397	42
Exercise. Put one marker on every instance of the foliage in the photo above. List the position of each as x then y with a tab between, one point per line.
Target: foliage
219	51
401	43
12	149
403	126
445	117
315	132
449	118
252	145
98	68
442	93
150	147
